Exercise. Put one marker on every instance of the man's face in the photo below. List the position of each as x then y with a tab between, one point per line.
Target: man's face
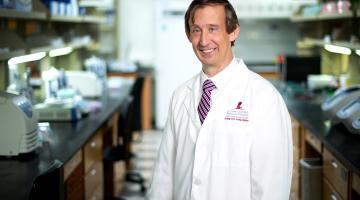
210	41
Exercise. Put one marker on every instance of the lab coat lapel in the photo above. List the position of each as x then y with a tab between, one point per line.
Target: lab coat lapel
191	103
233	92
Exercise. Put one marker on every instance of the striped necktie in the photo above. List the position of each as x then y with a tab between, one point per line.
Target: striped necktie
205	102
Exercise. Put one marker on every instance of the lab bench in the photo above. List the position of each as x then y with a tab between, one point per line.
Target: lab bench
315	137
78	146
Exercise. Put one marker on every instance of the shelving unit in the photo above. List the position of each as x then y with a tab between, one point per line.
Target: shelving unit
9	13
320	42
36	15
321	17
7	55
42	16
79	19
40	22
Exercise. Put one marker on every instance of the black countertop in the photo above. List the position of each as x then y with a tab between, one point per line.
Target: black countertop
65	139
307	110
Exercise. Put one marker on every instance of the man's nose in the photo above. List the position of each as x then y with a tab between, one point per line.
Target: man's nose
204	38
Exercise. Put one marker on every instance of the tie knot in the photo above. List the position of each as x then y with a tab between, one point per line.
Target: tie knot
208	86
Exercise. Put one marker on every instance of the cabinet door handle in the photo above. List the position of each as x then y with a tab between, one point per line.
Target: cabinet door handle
334	164
93	172
93	144
333	197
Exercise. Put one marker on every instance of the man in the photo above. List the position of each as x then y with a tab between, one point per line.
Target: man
228	133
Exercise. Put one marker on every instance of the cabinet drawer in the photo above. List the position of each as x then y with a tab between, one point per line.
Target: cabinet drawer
329	193
336	173
71	165
93	179
93	151
295	132
356	182
98	193
74	185
313	141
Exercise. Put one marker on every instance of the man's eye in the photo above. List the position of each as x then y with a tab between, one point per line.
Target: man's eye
212	29
195	30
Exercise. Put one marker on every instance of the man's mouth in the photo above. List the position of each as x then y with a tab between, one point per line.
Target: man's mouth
207	50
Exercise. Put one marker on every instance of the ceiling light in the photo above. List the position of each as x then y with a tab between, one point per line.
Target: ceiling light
337	49
26	58
60	52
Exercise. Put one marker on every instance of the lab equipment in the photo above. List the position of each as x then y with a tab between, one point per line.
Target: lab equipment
320	81
350	114
297	68
88	84
61	111
19	128
22	85
51	82
339	100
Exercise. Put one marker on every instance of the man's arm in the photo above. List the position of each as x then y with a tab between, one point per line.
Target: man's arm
271	154
162	182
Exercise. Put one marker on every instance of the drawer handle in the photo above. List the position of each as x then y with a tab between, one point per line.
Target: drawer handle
333	197
94	198
93	144
334	164
93	172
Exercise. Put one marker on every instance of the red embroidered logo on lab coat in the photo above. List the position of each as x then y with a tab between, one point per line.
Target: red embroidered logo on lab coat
238	113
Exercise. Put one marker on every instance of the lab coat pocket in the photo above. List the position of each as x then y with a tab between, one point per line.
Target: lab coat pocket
232	144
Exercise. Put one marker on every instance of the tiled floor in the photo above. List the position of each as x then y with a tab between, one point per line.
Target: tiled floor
146	151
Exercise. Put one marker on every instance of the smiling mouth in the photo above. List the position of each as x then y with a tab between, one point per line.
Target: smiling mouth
207	51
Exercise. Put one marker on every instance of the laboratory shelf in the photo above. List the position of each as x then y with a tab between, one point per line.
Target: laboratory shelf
57	18
21	52
320	17
72	44
42	49
320	42
78	19
10	13
94	19
11	54
39	15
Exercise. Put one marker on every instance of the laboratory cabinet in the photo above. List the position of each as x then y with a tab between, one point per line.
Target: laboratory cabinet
93	166
79	147
313	141
295	182
336	181
355	193
329	192
84	172
73	177
337	151
336	174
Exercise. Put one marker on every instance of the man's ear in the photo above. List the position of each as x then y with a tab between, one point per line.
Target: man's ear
233	35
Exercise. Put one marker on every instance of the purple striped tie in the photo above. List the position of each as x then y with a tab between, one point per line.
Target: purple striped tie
205	102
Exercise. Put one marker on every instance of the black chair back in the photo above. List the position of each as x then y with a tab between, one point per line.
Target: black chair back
49	185
127	123
136	92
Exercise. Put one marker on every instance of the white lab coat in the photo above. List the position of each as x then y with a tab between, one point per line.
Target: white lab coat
225	159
